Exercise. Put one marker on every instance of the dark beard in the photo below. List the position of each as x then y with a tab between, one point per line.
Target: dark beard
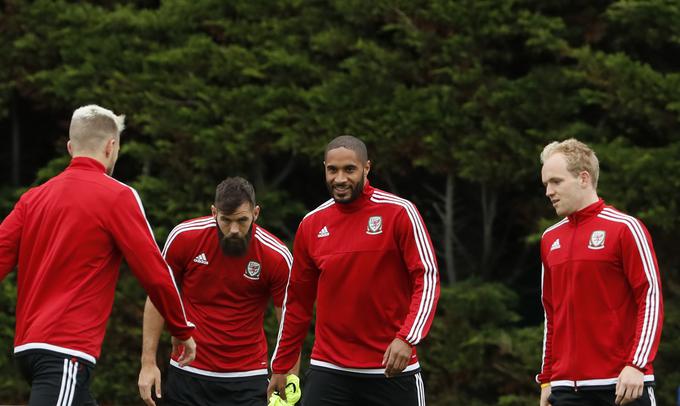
234	246
356	192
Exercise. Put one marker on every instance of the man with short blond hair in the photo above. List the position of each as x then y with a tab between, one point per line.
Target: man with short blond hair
67	237
601	291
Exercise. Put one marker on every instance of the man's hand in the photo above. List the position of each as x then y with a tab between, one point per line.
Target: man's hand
186	350
149	377
629	386
277	383
396	357
545	393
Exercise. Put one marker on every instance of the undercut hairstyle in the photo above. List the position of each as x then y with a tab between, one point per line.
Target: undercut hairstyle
578	155
350	142
92	125
233	192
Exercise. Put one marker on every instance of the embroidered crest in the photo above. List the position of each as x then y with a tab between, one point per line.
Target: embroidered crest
253	270
597	240
374	225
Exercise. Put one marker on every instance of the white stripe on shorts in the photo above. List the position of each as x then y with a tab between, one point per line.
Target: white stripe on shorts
652	399
420	387
63	381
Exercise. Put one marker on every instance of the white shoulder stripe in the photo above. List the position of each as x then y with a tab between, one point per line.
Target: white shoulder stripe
558	224
191	223
651	318
274	245
327	203
186	227
426	253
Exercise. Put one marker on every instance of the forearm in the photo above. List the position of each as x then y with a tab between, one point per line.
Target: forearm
296	369
152	330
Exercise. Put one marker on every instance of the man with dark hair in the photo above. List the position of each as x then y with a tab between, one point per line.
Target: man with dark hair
366	258
228	268
68	237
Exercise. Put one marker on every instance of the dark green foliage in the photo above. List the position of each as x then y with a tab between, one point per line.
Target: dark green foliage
455	99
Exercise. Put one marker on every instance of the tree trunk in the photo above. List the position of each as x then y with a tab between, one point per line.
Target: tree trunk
449	257
444	207
16	141
489	211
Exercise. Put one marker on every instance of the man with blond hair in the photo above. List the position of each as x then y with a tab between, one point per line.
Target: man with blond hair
601	291
67	238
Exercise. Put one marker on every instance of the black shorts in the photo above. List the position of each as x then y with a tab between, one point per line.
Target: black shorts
596	397
325	387
56	379
188	389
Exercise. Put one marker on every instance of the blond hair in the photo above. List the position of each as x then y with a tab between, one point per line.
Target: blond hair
92	125
578	155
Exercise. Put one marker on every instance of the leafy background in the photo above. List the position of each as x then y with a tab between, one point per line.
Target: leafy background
455	100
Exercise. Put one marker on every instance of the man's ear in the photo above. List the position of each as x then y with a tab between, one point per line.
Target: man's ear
110	146
256	212
584	178
69	147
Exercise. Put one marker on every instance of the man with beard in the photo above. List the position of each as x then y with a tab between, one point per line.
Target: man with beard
228	268
366	258
68	237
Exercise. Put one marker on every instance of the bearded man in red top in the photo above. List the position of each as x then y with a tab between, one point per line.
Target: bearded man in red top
366	259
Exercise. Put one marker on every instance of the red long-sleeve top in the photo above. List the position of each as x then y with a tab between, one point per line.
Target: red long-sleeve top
602	298
68	237
371	268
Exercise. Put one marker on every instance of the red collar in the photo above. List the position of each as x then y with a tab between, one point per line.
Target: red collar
587	212
360	201
88	164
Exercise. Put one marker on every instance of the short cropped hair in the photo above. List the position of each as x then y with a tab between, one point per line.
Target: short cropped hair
233	192
92	125
351	143
579	156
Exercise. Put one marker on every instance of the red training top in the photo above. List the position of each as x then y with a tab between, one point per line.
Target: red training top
371	268
602	298
68	237
227	296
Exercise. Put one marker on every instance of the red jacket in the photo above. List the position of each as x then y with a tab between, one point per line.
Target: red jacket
602	298
68	237
371	268
227	296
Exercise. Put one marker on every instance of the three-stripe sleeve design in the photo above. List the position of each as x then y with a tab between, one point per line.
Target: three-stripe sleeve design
272	243
644	274
420	316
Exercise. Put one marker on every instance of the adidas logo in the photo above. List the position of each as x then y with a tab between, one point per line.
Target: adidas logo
555	245
201	259
323	233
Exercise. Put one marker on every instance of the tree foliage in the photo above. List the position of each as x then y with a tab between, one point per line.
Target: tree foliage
455	99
